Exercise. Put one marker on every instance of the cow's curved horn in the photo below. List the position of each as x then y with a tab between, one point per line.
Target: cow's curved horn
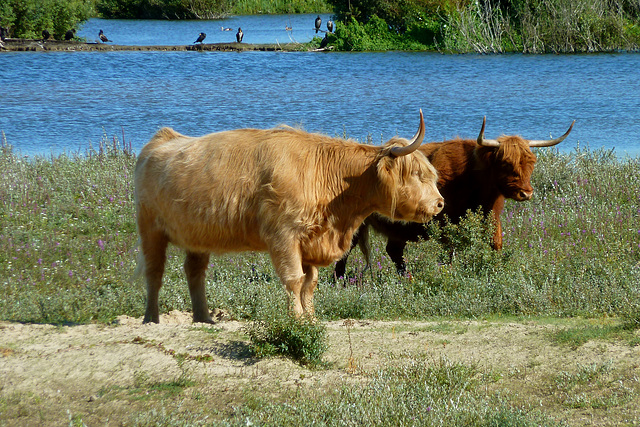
414	143
550	142
486	142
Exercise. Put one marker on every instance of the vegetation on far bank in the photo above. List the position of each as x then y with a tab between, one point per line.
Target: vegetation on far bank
487	26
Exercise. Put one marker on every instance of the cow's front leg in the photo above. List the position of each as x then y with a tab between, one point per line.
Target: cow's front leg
195	267
288	266
309	284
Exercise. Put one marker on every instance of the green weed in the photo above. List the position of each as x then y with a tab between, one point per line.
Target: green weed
279	333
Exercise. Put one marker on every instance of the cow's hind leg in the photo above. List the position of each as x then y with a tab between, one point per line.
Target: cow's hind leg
360	238
154	248
364	242
195	267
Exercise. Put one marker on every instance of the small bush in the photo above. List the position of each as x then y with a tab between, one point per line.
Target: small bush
301	339
375	35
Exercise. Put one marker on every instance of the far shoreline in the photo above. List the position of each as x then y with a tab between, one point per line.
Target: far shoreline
36	45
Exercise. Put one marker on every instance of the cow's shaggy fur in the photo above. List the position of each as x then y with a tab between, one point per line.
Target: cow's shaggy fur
296	195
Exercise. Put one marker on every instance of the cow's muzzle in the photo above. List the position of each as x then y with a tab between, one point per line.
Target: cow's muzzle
523	195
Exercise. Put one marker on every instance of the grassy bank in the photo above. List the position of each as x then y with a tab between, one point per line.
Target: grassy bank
68	249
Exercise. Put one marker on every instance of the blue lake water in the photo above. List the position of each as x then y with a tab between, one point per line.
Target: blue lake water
67	101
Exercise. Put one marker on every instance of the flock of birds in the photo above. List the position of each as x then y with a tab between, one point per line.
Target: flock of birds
240	34
69	35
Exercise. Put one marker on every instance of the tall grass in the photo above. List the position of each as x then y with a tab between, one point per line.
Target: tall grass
543	26
68	248
253	7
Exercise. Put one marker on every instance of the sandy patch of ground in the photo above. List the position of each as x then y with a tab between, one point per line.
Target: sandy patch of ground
102	374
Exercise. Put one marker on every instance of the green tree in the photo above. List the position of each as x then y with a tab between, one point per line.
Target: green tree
400	15
27	18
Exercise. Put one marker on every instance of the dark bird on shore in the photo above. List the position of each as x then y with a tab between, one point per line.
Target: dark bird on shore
318	23
324	42
103	37
239	35
201	38
330	26
45	35
4	33
70	34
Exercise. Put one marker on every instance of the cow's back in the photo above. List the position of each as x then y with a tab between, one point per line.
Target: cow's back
226	191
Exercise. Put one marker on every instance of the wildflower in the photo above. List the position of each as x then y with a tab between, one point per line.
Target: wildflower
101	244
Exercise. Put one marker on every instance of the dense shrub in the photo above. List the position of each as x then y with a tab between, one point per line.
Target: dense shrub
399	14
27	18
375	35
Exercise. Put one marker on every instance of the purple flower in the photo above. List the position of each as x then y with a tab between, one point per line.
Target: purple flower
101	244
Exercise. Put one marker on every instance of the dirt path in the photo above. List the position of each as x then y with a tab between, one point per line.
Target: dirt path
50	374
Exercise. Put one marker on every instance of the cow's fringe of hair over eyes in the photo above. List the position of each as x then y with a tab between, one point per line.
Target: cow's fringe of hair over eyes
388	161
511	151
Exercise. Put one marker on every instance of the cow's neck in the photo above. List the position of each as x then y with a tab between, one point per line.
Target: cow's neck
359	196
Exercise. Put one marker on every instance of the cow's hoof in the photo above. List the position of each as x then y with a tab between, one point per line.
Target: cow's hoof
208	320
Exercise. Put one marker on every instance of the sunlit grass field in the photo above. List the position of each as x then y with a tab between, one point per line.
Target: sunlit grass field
68	249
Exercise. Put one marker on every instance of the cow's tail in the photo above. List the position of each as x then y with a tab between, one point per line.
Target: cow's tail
140	264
